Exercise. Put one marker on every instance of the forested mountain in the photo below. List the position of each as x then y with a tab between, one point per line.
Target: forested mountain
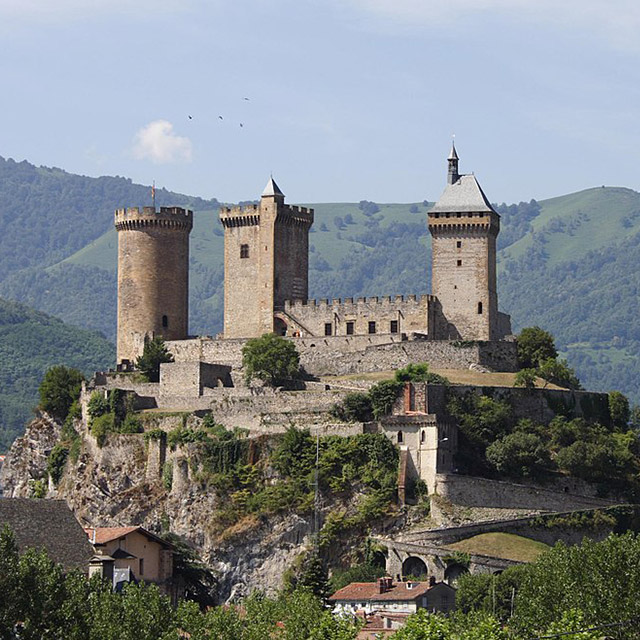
30	343
568	264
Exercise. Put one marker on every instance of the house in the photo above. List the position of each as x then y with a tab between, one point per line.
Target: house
132	554
389	599
48	525
136	551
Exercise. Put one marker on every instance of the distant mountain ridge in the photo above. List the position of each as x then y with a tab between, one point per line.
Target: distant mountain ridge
567	263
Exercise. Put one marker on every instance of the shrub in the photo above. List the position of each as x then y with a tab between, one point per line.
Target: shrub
383	396
58	390
355	407
101	427
131	424
419	373
98	405
56	462
270	358
167	475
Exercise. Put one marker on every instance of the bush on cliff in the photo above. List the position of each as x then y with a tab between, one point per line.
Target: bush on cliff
271	359
58	390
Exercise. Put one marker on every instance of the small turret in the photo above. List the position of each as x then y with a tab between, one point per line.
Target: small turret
453	165
272	190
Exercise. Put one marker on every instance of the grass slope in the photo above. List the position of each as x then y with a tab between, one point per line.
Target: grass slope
501	545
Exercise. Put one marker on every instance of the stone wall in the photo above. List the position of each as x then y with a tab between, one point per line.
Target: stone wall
472	491
542	405
192	378
342	355
361	316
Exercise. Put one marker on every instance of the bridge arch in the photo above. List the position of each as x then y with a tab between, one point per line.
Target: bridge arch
414	566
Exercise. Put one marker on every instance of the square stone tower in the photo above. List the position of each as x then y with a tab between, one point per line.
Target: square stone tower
464	227
266	261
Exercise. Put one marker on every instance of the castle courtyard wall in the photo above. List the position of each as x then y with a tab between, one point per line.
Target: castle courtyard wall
343	355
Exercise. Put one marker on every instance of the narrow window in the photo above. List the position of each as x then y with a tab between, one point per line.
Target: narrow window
244	250
394	326
479	308
141	566
165	321
423	436
459	263
350	327
400	437
327	328
459	244
372	327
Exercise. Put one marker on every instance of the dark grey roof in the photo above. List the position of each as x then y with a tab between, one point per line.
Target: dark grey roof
272	189
464	195
48	525
453	155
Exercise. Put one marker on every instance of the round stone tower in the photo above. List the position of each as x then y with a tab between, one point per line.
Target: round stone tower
153	276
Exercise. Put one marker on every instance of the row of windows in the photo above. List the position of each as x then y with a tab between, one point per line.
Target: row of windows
351	327
457	215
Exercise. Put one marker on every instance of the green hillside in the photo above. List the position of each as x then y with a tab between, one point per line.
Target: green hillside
30	343
567	263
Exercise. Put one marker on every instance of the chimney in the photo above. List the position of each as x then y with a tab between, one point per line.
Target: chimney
382	583
432	581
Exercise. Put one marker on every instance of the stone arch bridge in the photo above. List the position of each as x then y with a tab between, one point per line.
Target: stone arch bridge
410	558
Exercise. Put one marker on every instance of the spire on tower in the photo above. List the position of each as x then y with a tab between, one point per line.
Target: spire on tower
272	189
453	174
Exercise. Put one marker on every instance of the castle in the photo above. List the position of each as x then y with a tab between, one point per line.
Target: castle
266	277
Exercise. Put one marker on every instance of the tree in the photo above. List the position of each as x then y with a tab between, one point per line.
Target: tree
535	345
418	373
270	358
355	407
559	372
518	454
59	388
619	410
155	352
525	378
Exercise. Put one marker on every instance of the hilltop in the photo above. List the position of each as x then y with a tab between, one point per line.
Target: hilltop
567	263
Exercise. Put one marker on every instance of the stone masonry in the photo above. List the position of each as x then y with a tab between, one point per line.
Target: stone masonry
153	276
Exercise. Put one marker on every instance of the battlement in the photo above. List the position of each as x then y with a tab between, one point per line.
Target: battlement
249	215
463	223
292	305
168	217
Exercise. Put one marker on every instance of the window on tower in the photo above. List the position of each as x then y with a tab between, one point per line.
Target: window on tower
165	321
327	328
350	328
244	250
479	308
459	244
372	327
459	263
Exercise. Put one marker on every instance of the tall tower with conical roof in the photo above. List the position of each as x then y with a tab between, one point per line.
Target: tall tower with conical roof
266	261
464	227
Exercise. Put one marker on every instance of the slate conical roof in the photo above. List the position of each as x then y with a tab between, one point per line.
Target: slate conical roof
453	155
272	189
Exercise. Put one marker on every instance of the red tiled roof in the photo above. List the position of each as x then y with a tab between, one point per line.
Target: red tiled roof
107	534
370	591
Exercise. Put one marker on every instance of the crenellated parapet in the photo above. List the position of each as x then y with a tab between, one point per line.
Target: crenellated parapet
249	215
464	223
347	304
133	218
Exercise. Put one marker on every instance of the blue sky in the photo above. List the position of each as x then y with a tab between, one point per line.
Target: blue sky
348	99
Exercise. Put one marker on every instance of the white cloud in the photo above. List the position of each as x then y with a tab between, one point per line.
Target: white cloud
616	21
158	142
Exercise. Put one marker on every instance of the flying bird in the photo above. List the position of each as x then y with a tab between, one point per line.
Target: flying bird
245	98
221	118
241	124
190	117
